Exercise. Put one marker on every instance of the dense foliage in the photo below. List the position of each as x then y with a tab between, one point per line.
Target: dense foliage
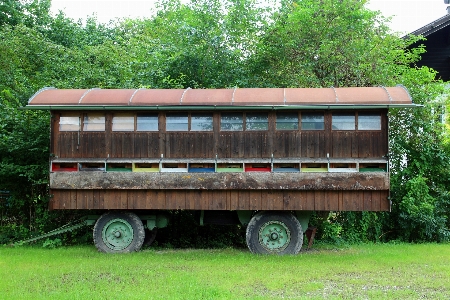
219	44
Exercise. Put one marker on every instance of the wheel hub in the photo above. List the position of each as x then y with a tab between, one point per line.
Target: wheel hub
117	234
274	236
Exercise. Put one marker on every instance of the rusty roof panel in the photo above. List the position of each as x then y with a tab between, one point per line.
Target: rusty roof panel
208	97
258	96
302	96
222	97
359	95
155	97
57	97
107	97
399	95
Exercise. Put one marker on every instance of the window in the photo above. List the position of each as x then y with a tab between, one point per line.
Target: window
147	122
369	121
231	122
94	122
176	122
123	122
201	122
69	123
256	121
313	121
343	122
287	121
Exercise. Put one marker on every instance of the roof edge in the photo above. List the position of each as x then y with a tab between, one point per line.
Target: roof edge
219	107
40	91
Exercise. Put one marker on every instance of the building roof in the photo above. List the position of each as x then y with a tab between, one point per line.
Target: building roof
432	27
145	99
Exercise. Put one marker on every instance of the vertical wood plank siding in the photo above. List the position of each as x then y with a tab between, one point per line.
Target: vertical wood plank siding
221	200
226	144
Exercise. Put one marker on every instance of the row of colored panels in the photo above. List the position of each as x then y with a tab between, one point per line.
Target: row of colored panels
218	167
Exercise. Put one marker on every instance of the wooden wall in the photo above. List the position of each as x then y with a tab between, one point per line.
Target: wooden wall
226	144
221	200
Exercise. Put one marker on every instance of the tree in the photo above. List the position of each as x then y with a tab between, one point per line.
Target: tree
331	43
202	44
30	13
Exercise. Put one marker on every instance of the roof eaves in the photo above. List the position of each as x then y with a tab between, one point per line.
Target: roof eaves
220	107
432	27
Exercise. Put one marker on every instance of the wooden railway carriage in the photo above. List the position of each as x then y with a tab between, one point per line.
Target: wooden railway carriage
264	157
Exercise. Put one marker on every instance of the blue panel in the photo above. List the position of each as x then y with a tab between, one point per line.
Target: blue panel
201	170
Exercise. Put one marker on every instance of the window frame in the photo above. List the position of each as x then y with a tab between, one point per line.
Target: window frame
124	115
344	114
367	113
140	115
93	124
77	116
296	124
191	117
312	113
180	115
242	123
247	121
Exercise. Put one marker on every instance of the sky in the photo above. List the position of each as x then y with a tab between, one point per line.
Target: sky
407	15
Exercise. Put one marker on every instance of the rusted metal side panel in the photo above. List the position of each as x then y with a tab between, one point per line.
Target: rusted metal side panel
223	200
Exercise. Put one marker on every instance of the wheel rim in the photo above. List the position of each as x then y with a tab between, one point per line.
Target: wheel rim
274	236
117	234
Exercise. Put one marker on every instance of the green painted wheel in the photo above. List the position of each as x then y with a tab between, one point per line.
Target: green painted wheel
274	233
118	232
274	236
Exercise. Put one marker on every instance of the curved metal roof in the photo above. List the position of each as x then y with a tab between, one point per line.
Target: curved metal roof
51	98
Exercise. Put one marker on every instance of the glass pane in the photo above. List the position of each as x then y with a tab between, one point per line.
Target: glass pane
287	121
231	122
343	122
147	122
257	122
201	122
367	121
176	122
313	121
69	123
123	122
94	122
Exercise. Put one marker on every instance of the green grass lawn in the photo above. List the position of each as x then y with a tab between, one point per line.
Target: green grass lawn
379	271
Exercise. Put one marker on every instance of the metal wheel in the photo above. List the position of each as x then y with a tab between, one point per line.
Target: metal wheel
274	233
116	232
150	236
